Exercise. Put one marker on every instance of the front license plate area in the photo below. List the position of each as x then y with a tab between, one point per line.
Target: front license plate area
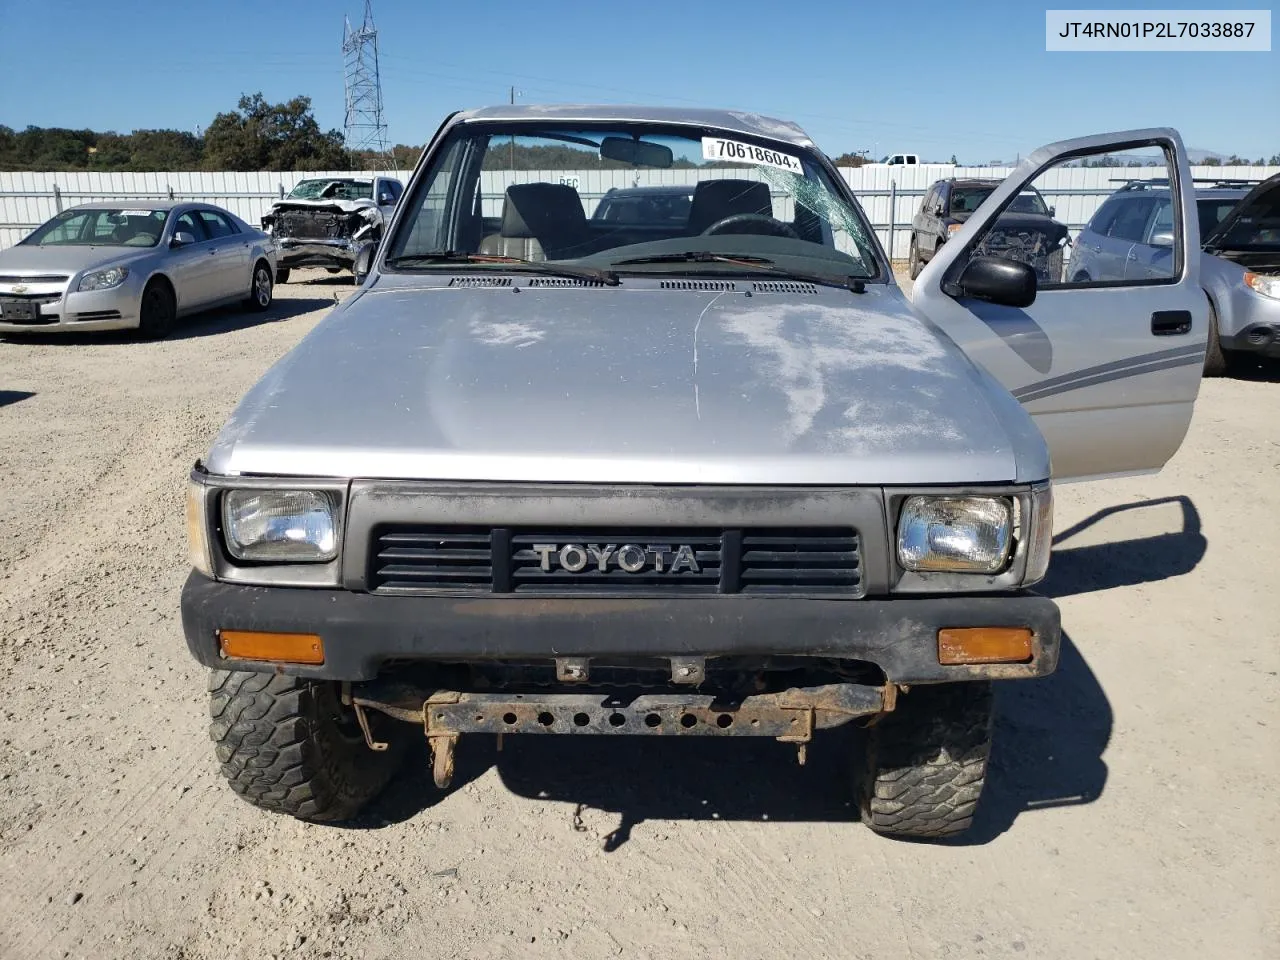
19	311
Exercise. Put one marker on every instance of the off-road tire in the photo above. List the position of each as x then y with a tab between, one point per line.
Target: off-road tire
288	745
1215	360
157	311
926	762
913	260
282	275
261	288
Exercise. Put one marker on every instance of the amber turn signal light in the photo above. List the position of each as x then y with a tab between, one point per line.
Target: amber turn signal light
265	645
967	645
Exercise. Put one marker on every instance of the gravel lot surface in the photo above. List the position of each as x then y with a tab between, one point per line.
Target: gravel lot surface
1132	811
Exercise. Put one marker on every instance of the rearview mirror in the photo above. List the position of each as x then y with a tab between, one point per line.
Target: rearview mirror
364	262
997	280
639	153
1162	239
181	239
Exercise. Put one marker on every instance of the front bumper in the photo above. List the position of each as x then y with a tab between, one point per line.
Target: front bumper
362	631
69	312
1259	339
316	253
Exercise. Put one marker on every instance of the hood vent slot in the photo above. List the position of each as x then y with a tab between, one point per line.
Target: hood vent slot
784	286
720	285
562	282
480	282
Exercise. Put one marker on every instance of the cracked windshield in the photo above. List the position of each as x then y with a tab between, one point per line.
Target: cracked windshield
629	198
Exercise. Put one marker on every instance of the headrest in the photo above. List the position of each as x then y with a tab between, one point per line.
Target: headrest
541	210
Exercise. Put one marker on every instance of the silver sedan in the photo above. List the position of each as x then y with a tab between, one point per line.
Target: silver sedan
133	265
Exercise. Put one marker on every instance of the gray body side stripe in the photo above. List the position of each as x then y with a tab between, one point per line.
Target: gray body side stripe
1027	396
1117	369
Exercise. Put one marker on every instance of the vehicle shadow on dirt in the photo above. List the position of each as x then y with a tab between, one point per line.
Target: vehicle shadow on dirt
1124	563
228	320
1258	370
14	396
1049	740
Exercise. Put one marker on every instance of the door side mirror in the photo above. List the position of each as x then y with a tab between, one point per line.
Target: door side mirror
1053	211
997	280
181	239
1162	239
937	209
364	262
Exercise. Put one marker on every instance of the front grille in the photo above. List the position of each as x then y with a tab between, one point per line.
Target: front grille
411	560
807	561
36	278
528	575
578	561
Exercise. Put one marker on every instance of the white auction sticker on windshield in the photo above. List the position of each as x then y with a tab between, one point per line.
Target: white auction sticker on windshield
718	148
135	213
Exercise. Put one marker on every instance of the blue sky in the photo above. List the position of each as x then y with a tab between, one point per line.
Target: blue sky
935	78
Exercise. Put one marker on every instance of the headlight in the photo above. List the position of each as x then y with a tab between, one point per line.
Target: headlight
1267	286
954	534
281	526
103	279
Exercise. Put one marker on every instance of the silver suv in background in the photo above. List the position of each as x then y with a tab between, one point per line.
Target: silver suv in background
1130	237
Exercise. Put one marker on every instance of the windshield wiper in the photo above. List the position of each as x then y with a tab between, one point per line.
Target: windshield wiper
753	264
607	277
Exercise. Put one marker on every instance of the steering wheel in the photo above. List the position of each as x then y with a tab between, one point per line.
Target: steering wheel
743	222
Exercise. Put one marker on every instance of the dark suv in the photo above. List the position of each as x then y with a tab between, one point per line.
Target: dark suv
1028	224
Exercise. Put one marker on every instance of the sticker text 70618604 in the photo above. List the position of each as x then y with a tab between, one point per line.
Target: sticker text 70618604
717	148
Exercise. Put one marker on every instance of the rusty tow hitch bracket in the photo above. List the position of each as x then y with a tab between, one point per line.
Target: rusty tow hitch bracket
790	716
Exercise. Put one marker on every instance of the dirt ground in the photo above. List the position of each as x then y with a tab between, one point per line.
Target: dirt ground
1131	811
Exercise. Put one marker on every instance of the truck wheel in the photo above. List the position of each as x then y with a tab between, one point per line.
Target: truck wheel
289	745
913	260
1215	361
927	760
282	275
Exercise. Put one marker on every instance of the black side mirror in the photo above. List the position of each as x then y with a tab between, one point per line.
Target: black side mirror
997	280
181	239
1053	211
937	209
364	262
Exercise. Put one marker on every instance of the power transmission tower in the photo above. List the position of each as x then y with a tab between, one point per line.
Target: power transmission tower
365	127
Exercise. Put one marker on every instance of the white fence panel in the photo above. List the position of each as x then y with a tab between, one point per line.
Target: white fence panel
890	195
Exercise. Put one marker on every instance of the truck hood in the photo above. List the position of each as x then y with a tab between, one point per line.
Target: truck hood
1260	203
346	206
415	378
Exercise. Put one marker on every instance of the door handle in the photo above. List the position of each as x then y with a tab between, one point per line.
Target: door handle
1170	323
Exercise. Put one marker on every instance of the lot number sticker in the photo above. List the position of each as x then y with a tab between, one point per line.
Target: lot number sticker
717	148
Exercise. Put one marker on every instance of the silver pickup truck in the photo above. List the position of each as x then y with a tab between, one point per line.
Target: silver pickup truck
551	474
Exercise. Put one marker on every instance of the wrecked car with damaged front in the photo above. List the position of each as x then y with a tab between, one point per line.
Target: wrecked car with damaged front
546	473
326	222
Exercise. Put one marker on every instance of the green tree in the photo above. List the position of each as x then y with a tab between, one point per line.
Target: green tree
272	136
